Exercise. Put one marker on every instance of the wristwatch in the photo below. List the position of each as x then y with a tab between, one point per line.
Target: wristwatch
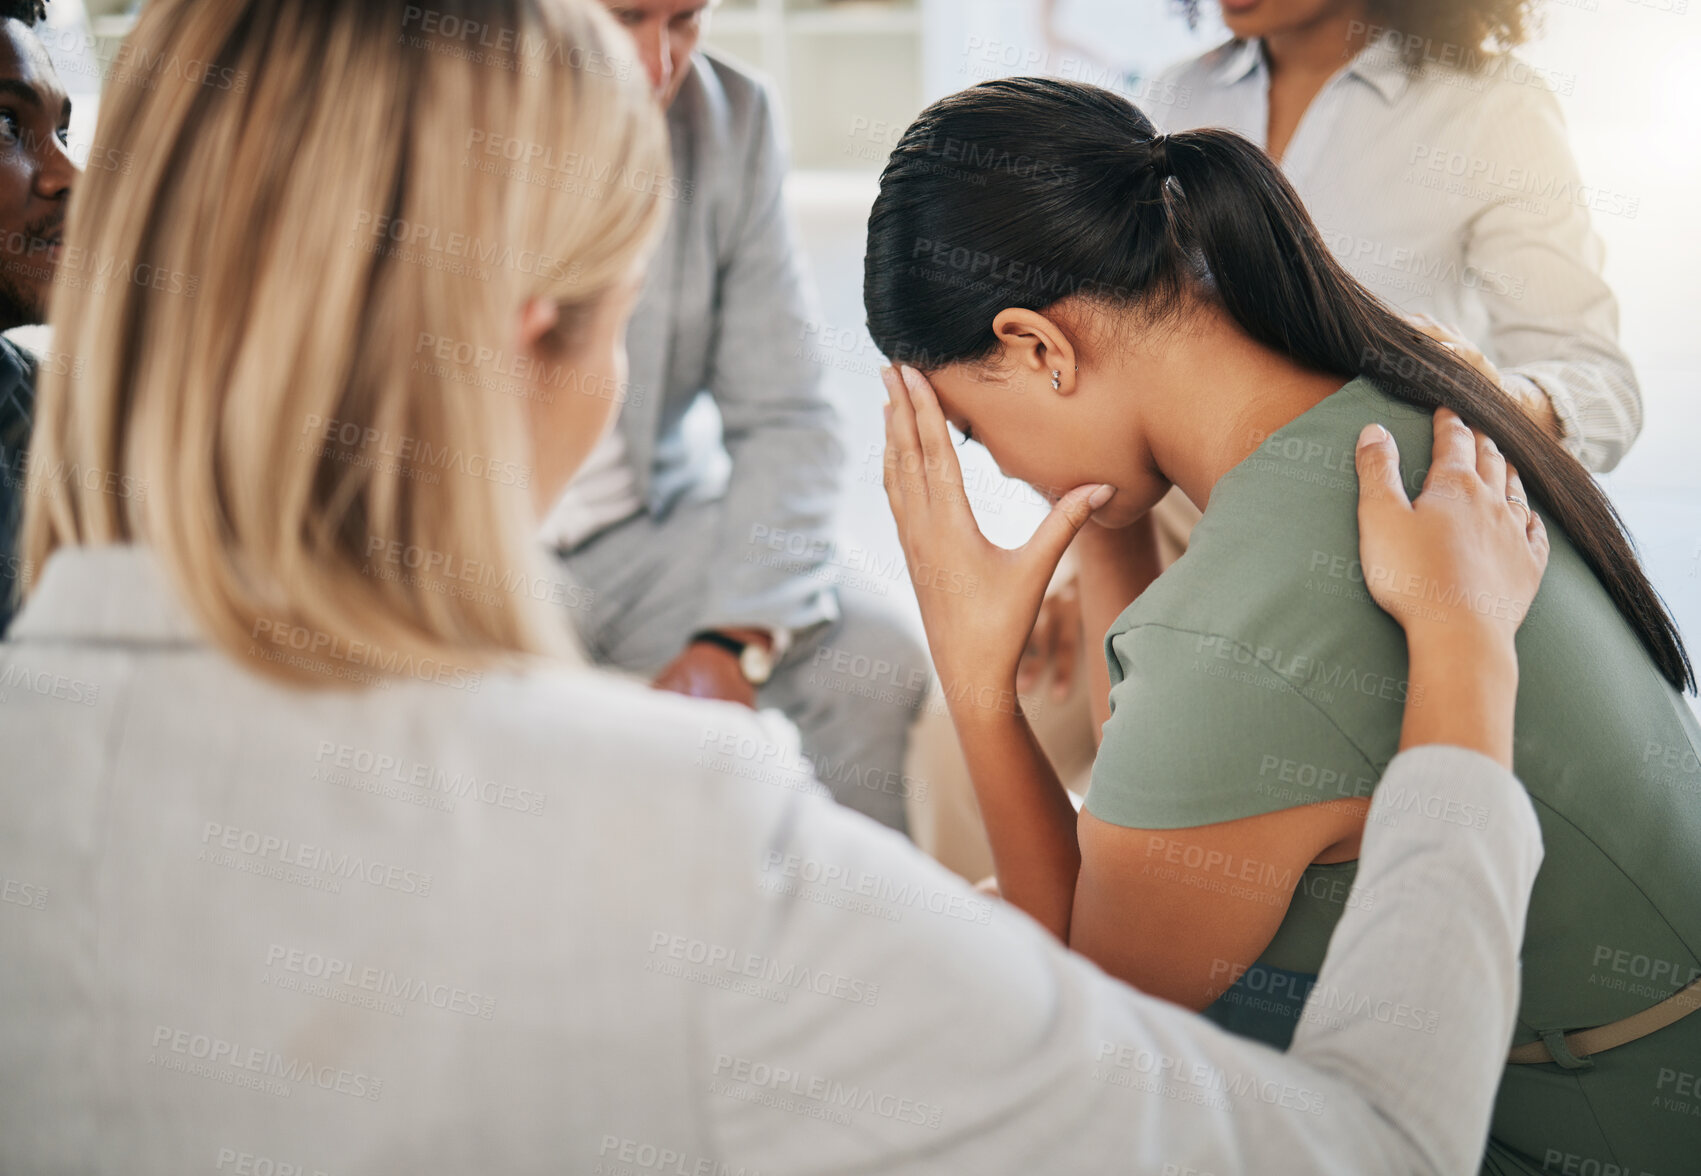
755	661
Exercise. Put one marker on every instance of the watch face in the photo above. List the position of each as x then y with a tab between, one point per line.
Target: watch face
756	664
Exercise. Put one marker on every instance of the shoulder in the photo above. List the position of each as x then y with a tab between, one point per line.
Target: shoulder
1496	88
578	740
1190	92
1257	670
17	364
1285	513
17	394
1202	66
1206	728
728	102
581	715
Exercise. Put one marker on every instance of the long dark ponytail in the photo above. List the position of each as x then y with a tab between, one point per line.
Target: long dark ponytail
1023	191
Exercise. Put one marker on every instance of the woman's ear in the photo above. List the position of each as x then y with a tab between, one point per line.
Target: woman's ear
1036	346
538	318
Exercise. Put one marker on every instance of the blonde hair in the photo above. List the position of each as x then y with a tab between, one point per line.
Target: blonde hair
243	305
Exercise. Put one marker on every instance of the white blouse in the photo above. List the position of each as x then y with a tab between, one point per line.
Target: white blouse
562	923
1453	193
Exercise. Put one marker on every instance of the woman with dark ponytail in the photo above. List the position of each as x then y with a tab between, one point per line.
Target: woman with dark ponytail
1105	307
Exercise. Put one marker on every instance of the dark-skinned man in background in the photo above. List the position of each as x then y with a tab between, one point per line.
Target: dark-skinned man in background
36	178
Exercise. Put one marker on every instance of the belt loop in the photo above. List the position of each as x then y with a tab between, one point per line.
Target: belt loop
1554	1039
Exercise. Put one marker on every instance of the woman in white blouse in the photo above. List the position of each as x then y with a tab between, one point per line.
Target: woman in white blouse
320	851
1436	165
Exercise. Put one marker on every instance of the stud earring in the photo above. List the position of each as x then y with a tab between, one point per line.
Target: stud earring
1056	379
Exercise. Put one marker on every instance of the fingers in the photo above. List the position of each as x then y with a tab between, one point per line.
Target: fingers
936	448
1057	530
906	469
1437	330
1534	531
1378	461
1491	466
903	424
1428	326
1473	355
1455	449
896	457
1455	342
921	463
1515	489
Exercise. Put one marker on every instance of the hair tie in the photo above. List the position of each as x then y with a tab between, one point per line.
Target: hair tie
1157	148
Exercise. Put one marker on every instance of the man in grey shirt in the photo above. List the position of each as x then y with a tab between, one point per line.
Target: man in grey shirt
709	581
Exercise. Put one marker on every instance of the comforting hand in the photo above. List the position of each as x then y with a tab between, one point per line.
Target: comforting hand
1528	396
1450	338
706	671
1055	643
978	601
1466	558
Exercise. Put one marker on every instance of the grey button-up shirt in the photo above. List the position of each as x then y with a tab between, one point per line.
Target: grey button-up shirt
725	313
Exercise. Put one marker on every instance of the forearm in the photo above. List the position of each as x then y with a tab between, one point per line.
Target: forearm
1030	822
1461	691
1417	997
1115	567
1038	1060
1041	1054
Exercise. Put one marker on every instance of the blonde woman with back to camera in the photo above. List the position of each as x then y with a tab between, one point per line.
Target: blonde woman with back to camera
322	850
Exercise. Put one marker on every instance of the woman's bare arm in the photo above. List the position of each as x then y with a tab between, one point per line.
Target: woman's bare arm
1115	566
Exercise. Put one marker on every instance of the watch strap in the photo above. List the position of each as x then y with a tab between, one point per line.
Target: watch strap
731	644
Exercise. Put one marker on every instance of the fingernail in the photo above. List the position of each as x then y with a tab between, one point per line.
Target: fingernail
1100	496
911	376
1371	434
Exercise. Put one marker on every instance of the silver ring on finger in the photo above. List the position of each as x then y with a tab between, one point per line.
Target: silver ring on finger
1516	501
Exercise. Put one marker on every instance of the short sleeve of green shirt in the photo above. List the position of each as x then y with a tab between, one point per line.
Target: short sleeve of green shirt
1206	729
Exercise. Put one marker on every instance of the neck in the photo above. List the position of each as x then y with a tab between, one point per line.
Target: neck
1320	46
1217	395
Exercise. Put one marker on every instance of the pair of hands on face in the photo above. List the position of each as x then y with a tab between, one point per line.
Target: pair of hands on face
1433	564
976	641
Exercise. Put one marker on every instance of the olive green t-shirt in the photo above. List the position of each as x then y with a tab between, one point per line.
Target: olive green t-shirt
1257	675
